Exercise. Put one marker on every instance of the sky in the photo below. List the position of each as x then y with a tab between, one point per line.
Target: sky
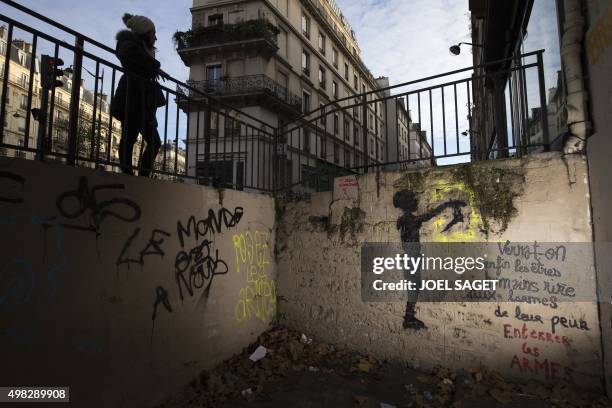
402	39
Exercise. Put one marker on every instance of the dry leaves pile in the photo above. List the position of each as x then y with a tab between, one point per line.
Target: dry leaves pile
288	351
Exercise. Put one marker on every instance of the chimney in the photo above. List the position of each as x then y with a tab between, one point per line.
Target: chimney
383	82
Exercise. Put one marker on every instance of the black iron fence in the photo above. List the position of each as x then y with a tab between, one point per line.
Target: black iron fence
247	84
200	137
481	112
476	113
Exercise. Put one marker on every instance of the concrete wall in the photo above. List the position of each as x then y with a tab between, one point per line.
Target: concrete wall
599	150
544	197
125	288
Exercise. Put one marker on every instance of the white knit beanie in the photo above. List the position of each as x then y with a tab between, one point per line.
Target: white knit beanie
138	24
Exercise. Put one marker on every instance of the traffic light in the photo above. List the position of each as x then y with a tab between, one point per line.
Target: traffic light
49	72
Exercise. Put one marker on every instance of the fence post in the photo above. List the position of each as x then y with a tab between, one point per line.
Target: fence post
543	107
42	125
275	163
75	101
364	121
209	174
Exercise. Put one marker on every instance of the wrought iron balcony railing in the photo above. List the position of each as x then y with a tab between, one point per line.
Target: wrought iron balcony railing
249	84
222	33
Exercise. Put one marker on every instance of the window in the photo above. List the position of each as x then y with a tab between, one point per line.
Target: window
346	71
336	154
371	124
335	89
215	19
213	74
24	102
336	120
347	129
306	63
306	140
306	25
323	148
355	82
356	135
323	115
322	43
347	158
335	57
23	81
322	77
305	102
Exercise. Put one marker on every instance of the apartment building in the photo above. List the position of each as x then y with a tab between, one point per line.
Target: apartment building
170	159
406	142
277	61
16	107
557	118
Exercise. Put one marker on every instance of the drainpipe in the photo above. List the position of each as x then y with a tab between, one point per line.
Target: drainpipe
571	55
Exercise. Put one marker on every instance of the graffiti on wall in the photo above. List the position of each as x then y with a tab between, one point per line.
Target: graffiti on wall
540	280
445	191
84	206
599	36
96	208
409	224
257	299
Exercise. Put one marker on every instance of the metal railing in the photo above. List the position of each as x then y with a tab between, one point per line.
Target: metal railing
247	84
187	122
225	33
440	119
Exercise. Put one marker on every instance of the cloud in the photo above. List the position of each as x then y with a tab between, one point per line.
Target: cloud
408	40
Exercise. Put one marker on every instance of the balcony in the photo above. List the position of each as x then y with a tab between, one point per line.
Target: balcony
254	37
249	90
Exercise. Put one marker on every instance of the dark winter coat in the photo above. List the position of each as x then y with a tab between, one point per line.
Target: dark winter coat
141	71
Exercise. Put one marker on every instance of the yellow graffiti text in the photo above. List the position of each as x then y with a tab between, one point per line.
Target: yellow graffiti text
257	299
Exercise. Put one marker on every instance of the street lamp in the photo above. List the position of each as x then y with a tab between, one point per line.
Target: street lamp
456	49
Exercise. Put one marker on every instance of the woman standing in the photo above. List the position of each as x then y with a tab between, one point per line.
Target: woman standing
138	95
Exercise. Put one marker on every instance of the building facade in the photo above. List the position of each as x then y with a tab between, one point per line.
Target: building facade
407	144
278	61
16	102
